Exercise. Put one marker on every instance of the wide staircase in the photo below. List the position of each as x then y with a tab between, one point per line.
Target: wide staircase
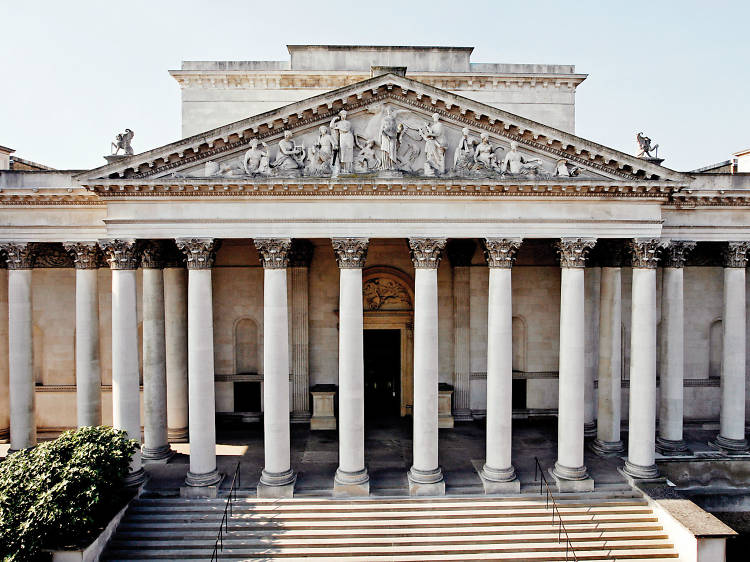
601	526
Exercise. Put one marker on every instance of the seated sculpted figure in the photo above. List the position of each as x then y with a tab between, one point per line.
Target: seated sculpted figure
256	160
367	159
516	163
290	156
321	155
484	154
463	158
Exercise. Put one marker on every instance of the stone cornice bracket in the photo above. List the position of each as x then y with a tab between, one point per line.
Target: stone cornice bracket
675	255
85	255
426	252
152	256
19	255
200	252
351	253
301	253
735	254
501	252
573	251
120	254
273	252
644	252
460	251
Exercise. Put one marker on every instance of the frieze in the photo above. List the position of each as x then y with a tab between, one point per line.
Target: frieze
273	252
573	251
426	252
501	252
351	253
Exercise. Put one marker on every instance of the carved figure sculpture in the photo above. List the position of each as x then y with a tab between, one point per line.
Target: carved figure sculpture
122	142
256	159
346	142
435	147
389	141
516	163
644	147
321	155
565	169
290	156
463	158
484	154
367	159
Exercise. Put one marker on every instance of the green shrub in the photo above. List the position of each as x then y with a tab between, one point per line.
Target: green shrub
62	491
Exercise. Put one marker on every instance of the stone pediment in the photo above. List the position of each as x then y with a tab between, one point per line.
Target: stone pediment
393	127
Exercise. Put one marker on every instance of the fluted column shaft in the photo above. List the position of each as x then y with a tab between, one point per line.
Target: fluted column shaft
175	335
351	476
642	404
592	288
200	254
88	369
425	475
570	465
277	475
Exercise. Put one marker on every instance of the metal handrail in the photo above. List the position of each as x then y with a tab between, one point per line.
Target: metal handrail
224	525
561	526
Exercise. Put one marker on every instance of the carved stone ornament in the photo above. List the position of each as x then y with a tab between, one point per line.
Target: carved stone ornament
152	256
120	254
426	252
675	255
351	253
501	252
273	252
382	293
85	255
200	252
20	255
573	251
301	253
735	254
644	252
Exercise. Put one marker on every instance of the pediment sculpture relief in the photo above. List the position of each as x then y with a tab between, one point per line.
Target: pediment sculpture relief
389	141
382	293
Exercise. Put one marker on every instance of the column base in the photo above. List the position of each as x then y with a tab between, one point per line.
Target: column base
426	482
607	448
177	435
276	484
351	484
569	479
589	429
671	447
639	472
135	479
499	481
156	455
202	485
729	446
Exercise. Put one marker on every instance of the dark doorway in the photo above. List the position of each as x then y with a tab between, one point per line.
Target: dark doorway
382	354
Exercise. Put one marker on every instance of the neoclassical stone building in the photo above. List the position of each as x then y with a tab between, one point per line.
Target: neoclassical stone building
393	221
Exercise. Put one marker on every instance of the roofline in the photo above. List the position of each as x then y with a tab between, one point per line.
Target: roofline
6	149
298	47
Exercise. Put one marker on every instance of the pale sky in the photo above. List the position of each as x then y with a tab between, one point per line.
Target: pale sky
75	73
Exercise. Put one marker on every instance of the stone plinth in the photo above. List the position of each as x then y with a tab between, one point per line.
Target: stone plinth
445	397
323	416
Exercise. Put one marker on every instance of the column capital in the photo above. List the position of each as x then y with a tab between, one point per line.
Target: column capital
573	251
460	251
273	252
200	252
152	256
676	253
85	255
19	255
735	254
426	252
301	253
351	253
501	252
120	253
644	252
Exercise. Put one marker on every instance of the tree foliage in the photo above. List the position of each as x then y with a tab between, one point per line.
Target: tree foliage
61	491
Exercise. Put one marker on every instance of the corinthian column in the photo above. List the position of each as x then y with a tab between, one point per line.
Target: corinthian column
351	477
202	479
642	412
155	440
126	412
425	475
570	471
20	257
498	474
731	436
669	441
88	371
175	337
277	479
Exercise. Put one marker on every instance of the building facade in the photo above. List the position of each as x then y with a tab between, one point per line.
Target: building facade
361	202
